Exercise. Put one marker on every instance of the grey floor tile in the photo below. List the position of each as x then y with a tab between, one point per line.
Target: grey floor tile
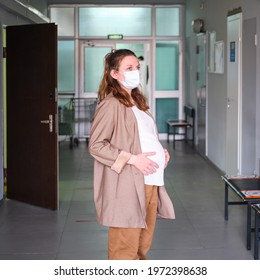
28	256
33	224
30	243
200	254
222	237
82	242
175	239
88	255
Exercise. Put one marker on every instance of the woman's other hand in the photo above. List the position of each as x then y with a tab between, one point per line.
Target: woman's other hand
167	158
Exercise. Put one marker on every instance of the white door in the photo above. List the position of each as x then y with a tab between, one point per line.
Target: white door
234	94
92	55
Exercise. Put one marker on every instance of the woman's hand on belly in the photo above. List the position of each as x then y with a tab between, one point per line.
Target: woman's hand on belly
143	163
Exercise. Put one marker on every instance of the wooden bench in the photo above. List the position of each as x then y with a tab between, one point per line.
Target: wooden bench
174	126
247	189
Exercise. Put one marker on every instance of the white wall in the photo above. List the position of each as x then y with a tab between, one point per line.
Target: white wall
15	13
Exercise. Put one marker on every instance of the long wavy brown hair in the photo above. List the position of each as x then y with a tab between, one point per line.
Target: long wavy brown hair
109	85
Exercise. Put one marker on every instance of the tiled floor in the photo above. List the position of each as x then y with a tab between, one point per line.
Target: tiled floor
199	231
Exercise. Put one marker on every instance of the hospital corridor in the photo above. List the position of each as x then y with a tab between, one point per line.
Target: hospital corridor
194	65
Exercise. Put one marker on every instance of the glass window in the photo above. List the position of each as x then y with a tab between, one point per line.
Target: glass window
138	49
66	66
64	18
167	22
167	65
166	108
94	67
127	21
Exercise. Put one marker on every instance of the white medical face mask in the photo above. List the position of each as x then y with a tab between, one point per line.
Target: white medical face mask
132	79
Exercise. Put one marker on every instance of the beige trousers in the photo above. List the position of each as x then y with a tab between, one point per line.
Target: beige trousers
134	243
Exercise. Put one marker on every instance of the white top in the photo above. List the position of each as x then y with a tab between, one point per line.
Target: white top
150	143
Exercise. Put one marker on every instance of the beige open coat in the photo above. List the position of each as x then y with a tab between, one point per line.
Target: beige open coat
119	192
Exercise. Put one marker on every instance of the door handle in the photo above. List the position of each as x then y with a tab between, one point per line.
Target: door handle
203	96
49	122
228	102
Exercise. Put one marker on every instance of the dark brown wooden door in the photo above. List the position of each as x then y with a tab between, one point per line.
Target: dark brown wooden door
32	150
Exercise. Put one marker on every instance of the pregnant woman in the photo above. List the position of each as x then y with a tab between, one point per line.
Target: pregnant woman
129	161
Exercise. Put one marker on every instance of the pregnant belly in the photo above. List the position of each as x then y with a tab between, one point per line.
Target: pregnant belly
159	157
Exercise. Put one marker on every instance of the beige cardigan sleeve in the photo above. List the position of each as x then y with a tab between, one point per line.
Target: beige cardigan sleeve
101	133
121	161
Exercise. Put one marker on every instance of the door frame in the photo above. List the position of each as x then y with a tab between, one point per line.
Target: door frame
203	88
237	55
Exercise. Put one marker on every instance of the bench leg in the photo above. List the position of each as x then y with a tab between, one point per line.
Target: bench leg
193	134
226	202
248	230
174	137
257	239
